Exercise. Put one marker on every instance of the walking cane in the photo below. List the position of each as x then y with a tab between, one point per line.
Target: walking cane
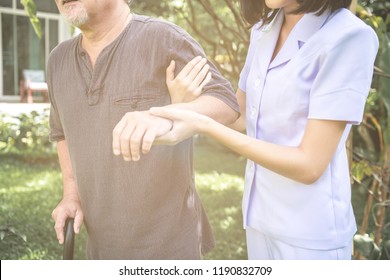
69	240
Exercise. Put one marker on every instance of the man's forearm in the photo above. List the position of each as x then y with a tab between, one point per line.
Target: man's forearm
70	185
211	107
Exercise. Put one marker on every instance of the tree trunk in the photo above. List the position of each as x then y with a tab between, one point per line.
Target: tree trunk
384	197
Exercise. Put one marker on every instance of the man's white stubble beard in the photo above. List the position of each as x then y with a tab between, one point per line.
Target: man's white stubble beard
76	19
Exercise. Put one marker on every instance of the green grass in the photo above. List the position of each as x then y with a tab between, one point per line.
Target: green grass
220	182
31	188
28	193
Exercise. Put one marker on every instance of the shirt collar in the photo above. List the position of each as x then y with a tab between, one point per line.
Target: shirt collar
308	25
275	23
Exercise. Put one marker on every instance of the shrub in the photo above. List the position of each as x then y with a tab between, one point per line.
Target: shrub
26	134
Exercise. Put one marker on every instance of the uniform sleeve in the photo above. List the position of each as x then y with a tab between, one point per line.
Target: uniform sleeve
248	61
344	77
56	130
183	49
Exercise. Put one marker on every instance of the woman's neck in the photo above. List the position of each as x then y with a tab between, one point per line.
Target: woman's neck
289	21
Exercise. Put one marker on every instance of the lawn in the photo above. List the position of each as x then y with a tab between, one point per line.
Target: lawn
30	189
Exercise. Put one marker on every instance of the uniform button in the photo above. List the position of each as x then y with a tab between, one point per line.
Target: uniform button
257	83
251	168
253	112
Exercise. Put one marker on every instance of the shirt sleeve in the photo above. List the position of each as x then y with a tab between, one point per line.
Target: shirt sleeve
344	77
56	130
248	61
183	49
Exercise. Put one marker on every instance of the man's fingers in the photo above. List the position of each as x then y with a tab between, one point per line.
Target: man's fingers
78	221
124	140
148	140
116	135
59	226
136	142
131	137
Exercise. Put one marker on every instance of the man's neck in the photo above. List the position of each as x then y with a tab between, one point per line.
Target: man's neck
98	34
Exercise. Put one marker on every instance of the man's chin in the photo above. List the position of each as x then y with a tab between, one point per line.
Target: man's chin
76	21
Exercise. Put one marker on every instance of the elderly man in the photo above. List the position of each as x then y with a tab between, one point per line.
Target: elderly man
142	204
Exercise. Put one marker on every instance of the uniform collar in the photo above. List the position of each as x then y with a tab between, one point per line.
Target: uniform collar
308	25
275	23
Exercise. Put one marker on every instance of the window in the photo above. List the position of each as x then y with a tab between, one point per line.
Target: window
48	6
8	54
22	49
6	3
53	34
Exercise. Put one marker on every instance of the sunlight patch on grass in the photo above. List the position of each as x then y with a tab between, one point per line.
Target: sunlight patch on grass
36	254
226	223
231	210
33	185
221	195
219	182
20	189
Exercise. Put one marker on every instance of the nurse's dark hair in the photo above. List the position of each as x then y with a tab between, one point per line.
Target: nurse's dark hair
255	10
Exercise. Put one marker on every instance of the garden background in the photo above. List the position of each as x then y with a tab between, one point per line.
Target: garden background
31	184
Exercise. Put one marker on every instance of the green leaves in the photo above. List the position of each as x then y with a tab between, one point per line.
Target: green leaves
384	65
367	247
10	231
31	11
361	169
26	134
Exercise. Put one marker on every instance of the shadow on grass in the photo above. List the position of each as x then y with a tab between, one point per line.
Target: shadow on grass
31	186
221	195
210	156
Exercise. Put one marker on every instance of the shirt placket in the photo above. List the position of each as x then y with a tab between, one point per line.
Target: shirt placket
254	114
93	77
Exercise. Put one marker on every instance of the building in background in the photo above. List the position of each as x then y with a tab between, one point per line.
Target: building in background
20	48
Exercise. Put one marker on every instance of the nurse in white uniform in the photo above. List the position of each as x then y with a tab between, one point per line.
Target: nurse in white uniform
305	82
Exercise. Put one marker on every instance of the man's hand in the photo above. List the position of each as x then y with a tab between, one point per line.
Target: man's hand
69	207
137	131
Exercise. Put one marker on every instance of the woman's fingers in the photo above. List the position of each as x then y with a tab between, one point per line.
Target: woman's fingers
201	80
188	68
167	113
198	71
189	83
170	72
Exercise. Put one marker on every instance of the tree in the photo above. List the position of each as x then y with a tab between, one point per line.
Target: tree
31	10
372	143
217	25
